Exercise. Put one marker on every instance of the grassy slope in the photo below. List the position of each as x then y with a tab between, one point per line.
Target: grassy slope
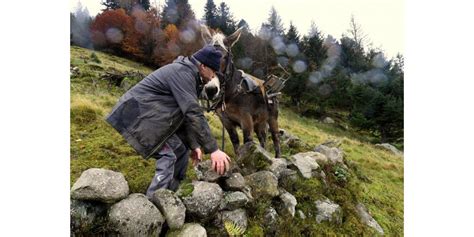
375	179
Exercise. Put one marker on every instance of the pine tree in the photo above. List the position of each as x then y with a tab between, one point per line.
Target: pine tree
275	23
313	46
210	14
110	4
225	19
145	4
176	12
292	35
244	24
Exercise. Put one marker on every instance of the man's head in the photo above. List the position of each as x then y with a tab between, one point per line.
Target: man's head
209	58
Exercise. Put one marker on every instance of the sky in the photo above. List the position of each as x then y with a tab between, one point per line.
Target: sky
381	20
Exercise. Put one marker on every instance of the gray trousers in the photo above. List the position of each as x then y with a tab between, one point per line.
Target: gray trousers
170	166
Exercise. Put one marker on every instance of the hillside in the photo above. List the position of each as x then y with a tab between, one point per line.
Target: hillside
375	176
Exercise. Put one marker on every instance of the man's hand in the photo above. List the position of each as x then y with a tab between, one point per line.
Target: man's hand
196	155
220	162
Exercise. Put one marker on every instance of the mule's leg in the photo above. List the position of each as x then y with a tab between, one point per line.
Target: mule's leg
260	130
273	123
246	123
231	130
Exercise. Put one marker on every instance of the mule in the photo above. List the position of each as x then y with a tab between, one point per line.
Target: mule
252	111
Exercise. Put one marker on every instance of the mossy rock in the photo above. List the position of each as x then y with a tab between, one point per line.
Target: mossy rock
253	158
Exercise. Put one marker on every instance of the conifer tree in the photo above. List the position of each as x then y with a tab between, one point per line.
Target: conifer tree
210	14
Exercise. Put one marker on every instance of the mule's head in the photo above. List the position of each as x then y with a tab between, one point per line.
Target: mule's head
212	89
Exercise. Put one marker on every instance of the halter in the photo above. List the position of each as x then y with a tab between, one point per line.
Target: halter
226	75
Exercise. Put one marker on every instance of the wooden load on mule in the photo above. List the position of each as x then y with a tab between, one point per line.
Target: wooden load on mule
274	84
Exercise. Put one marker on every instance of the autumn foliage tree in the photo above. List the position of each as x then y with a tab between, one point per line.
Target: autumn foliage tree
114	29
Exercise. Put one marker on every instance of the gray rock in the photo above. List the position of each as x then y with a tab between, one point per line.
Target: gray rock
235	182
135	216
278	165
389	147
263	184
333	154
170	206
189	230
204	172
238	217
332	143
253	158
328	120
328	211
100	185
87	216
367	219
286	204
287	178
234	200
301	214
306	163
290	140
204	200
270	220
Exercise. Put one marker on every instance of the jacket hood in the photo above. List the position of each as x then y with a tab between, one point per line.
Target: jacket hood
185	61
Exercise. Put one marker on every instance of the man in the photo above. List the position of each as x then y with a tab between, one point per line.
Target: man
160	117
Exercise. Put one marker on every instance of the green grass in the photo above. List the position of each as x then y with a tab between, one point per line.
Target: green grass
375	176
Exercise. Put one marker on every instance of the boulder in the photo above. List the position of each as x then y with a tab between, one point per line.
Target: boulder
306	163
270	220
286	204
236	217
235	182
135	216
278	165
263	184
332	154
332	143
170	206
204	172
87	217
328	211
290	140
234	200
204	200
100	185
389	147
367	219
189	230
287	178
253	158
328	120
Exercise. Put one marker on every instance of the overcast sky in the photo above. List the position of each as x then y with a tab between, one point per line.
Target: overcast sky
381	20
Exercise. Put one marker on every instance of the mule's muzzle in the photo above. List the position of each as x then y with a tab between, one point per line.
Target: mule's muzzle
211	92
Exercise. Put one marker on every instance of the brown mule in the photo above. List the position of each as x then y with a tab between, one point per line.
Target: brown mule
249	110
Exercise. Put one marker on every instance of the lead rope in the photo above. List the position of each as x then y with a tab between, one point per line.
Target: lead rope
226	72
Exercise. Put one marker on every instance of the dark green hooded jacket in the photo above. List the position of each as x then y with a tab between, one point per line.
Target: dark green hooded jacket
162	104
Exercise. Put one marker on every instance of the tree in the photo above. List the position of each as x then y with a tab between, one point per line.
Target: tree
145	4
313	47
353	56
114	29
275	23
356	33
244	24
225	20
292	35
176	12
80	21
110	4
210	14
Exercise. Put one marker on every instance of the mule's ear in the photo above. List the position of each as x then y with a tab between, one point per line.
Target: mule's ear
233	38
205	34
